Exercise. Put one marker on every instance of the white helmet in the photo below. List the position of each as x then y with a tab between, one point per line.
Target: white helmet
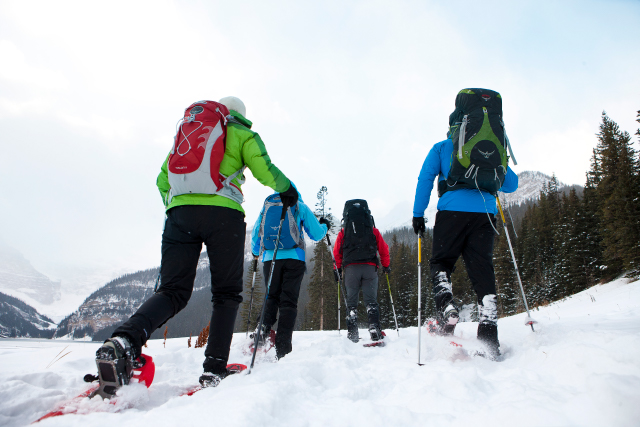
235	104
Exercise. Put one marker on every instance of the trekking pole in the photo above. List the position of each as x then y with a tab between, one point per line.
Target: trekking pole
266	295
392	306
419	293
253	283
528	321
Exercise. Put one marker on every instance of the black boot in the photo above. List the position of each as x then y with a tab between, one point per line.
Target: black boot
373	313
352	325
488	327
488	335
215	370
116	360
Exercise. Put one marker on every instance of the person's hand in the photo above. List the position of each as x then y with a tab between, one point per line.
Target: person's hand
418	225
336	274
386	270
326	222
289	198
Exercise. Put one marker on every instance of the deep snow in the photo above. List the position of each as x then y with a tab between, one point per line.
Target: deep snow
580	368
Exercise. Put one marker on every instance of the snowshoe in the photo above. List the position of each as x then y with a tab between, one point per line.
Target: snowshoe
377	343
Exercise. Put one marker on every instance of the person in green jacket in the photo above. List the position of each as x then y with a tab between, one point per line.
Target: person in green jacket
217	220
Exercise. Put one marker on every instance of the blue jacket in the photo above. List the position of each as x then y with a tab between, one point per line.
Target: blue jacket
305	219
438	162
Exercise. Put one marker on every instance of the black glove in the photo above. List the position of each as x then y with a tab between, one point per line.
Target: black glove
336	275
418	225
386	270
326	222
289	198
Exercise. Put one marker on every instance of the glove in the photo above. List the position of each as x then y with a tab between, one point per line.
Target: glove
326	222
336	275
386	270
289	198
418	225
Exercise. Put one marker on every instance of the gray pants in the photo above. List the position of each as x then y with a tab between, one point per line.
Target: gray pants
357	276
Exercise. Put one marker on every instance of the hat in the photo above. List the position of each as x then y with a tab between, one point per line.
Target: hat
235	104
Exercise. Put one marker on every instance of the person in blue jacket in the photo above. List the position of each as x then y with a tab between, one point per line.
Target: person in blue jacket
288	271
465	225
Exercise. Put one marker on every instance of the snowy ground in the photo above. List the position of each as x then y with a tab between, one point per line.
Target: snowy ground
580	368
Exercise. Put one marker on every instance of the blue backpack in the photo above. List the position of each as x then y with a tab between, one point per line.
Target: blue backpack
290	237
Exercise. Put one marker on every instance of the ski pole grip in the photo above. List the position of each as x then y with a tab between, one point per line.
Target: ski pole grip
284	214
328	239
255	264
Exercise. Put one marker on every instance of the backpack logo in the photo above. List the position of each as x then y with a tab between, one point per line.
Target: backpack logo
486	97
485	154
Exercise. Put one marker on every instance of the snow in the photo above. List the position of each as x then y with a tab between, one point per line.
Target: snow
580	367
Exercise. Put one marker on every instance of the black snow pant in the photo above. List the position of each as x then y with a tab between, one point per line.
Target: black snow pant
470	234
283	296
222	230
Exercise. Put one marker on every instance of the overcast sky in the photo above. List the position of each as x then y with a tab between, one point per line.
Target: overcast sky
346	94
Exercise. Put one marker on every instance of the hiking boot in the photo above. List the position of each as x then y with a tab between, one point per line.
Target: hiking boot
488	335
209	379
352	325
445	321
283	342
115	360
375	332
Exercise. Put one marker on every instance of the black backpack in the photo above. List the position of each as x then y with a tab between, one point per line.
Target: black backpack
359	244
479	158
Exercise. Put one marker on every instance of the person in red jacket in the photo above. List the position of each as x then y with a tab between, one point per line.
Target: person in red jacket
356	251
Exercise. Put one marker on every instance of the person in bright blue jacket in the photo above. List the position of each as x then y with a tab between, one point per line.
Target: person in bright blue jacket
289	269
465	225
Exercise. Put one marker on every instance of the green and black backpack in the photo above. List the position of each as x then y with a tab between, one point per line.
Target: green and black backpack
359	244
479	159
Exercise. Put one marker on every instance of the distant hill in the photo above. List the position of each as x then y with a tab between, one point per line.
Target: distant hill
18	319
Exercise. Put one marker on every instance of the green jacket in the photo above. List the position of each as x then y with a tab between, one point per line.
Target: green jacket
243	147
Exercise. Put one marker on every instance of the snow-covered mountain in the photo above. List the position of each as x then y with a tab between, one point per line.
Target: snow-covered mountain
530	183
18	319
19	279
579	368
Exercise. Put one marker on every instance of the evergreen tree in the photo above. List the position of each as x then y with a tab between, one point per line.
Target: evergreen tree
323	292
322	308
618	191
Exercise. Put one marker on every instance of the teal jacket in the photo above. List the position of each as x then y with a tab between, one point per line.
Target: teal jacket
305	219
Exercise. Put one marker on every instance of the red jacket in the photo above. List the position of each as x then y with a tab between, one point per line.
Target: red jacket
383	249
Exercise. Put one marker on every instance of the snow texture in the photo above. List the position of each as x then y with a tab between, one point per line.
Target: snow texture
579	368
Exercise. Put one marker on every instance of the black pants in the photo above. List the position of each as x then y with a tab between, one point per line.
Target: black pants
222	230
470	234
283	296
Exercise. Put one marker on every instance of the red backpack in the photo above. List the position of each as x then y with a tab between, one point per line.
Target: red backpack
198	149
